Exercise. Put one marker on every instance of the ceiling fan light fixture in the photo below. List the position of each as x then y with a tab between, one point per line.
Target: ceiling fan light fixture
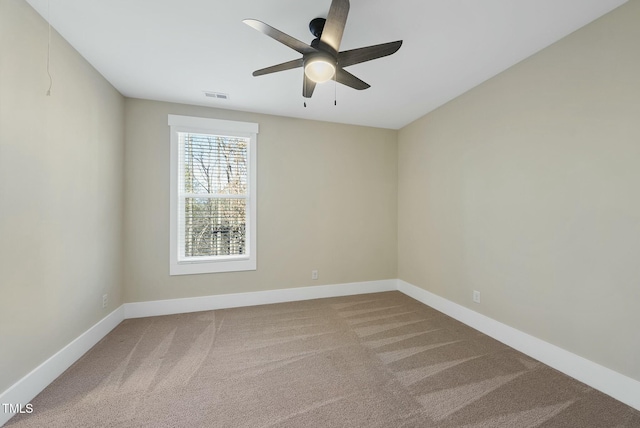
322	60
319	69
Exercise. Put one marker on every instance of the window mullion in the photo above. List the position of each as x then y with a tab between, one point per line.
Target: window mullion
213	196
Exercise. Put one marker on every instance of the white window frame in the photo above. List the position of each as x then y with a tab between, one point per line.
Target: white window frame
200	125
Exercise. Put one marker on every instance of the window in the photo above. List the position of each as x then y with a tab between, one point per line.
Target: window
213	195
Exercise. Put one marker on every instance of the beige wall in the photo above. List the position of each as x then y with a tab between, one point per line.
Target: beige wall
326	201
60	194
527	189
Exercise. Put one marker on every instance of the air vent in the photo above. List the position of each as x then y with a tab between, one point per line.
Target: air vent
216	95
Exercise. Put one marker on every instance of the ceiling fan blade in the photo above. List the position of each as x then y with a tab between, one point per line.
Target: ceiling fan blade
278	35
280	67
356	56
308	86
348	79
334	26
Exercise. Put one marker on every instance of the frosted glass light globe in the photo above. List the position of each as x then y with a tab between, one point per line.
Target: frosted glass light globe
319	70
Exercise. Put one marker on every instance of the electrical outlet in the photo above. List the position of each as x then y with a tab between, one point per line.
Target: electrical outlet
314	274
105	300
476	296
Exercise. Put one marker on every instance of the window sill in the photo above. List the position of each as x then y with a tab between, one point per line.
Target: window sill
209	266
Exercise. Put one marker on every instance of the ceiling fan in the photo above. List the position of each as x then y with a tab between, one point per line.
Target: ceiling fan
322	60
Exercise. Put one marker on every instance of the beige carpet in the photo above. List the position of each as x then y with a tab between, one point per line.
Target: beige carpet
376	360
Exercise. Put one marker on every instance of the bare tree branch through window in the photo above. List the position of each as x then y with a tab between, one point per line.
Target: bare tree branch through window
215	195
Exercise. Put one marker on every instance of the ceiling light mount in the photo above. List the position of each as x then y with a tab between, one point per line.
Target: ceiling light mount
316	26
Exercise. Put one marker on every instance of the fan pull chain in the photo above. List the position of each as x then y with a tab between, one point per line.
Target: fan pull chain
335	89
304	85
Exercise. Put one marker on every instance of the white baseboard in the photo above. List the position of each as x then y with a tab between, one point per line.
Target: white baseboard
614	384
39	378
208	303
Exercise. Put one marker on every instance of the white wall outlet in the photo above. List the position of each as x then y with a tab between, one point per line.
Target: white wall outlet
105	300
476	296
314	274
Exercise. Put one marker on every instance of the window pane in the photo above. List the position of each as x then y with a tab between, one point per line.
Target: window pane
214	164
214	227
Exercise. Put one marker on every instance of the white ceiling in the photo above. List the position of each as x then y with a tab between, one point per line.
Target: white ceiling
173	50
